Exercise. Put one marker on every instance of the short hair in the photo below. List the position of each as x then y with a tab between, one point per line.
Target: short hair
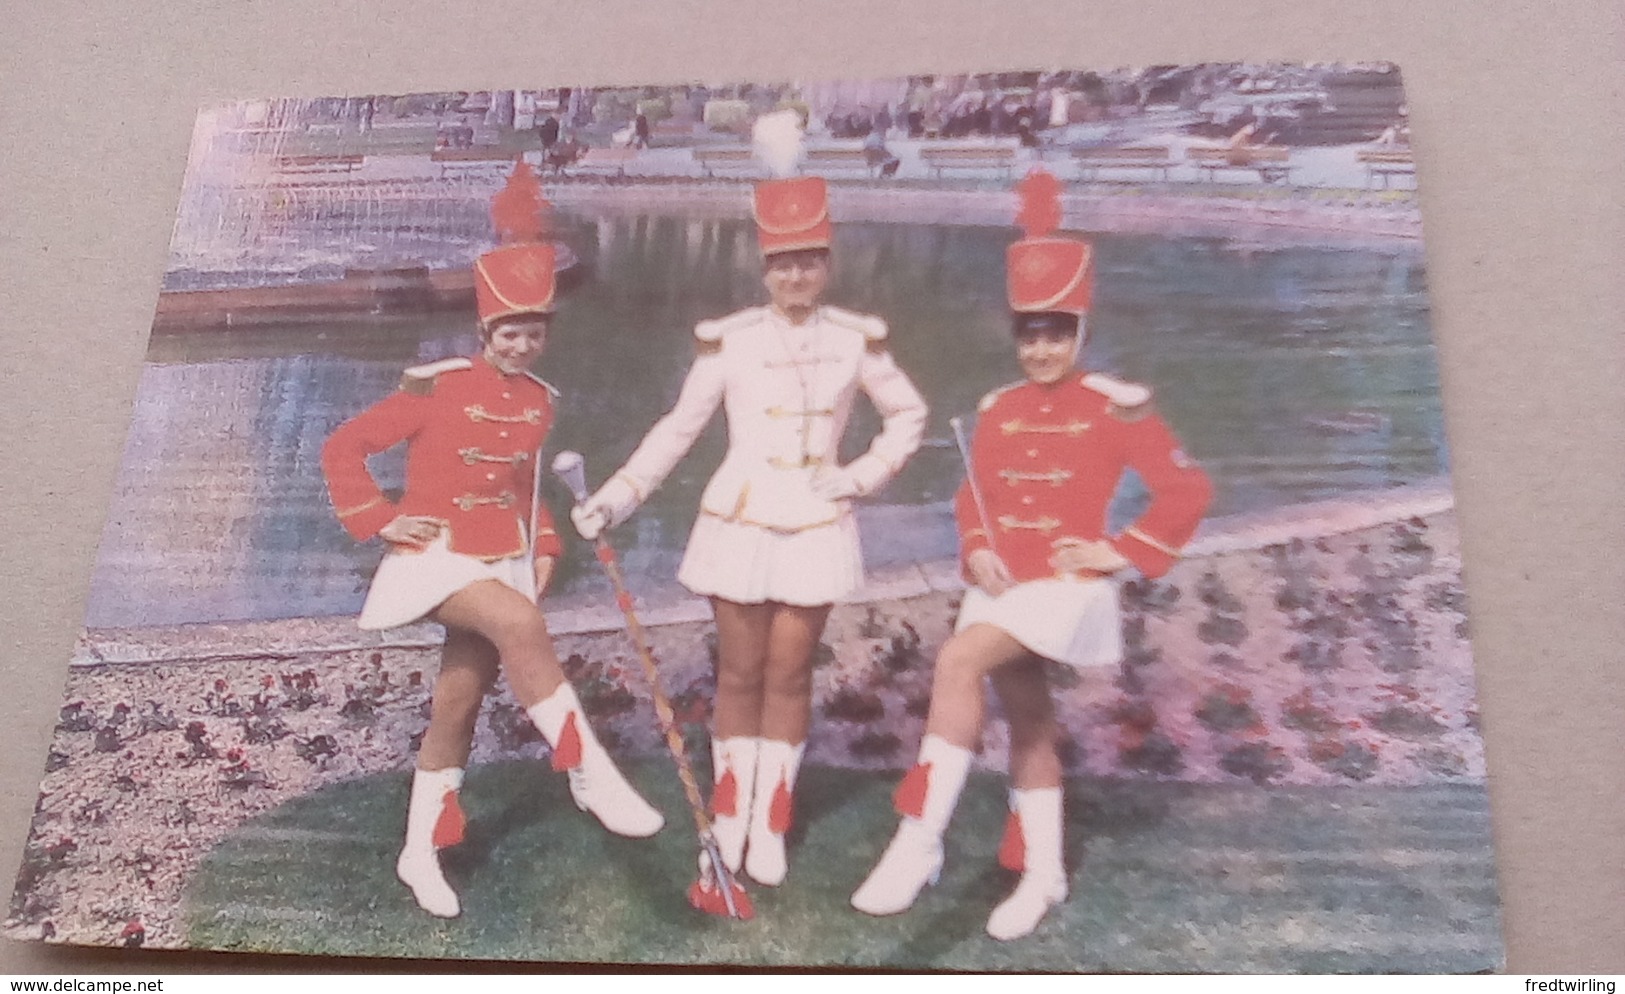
818	253
488	328
1028	323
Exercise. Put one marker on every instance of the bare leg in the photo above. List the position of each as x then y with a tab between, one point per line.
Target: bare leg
929	792
742	653
786	712
1024	692
468	668
787	692
516	628
1032	842
967	657
468	671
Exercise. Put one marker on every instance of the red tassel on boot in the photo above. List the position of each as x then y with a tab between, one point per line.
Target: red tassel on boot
448	828
909	798
567	750
725	796
781	811
1013	848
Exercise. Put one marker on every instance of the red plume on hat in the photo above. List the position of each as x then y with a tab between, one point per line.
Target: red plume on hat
517	276
1040	212
1046	272
519	210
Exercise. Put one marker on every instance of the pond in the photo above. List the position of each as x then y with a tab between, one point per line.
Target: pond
1291	374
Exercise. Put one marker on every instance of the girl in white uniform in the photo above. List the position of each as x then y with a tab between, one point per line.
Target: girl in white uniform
775	544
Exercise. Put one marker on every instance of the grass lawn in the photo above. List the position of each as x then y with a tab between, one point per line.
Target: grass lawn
1165	878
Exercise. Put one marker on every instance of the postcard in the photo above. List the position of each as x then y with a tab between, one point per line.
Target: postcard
969	521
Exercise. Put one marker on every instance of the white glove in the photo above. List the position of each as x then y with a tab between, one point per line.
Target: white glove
589	523
610	506
835	484
989	572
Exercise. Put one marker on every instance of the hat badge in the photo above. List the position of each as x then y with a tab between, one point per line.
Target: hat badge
1036	266
529	269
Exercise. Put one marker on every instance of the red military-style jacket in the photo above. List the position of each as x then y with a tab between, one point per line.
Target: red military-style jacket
1047	459
472	435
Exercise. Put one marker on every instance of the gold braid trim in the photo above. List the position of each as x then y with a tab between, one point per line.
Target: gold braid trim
350	512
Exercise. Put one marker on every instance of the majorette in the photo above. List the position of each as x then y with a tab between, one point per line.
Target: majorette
470	547
1046	457
775	543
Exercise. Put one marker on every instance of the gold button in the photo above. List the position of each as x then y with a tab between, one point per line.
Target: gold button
502	434
1032	453
507	396
1045	409
490	476
1026	500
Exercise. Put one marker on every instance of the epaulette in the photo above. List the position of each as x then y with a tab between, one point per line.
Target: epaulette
872	328
552	391
419	380
708	334
992	396
1129	401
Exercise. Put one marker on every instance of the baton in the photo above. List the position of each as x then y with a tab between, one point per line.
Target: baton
570	468
535	510
958	425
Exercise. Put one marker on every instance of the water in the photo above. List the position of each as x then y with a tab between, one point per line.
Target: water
1291	374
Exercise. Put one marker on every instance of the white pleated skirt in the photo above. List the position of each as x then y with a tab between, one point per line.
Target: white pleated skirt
749	564
1076	622
408	585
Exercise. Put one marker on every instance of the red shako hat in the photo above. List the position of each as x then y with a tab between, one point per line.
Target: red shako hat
517	277
791	214
1046	272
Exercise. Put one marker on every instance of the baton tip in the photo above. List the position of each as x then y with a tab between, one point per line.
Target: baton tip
705	895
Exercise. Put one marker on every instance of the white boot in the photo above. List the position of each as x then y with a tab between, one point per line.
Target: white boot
1043	875
434	820
733	767
926	800
772	809
595	784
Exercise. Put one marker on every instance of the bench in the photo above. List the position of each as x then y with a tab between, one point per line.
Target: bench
478	153
942	158
319	163
820	160
603	161
727	158
1271	162
478	157
1152	157
1386	163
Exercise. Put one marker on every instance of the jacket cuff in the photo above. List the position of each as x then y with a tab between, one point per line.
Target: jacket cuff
620	495
366	520
868	473
1149	556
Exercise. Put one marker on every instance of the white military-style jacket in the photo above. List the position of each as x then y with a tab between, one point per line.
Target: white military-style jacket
787	390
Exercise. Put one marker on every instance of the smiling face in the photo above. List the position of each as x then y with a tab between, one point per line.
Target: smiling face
1047	345
513	344
796	280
